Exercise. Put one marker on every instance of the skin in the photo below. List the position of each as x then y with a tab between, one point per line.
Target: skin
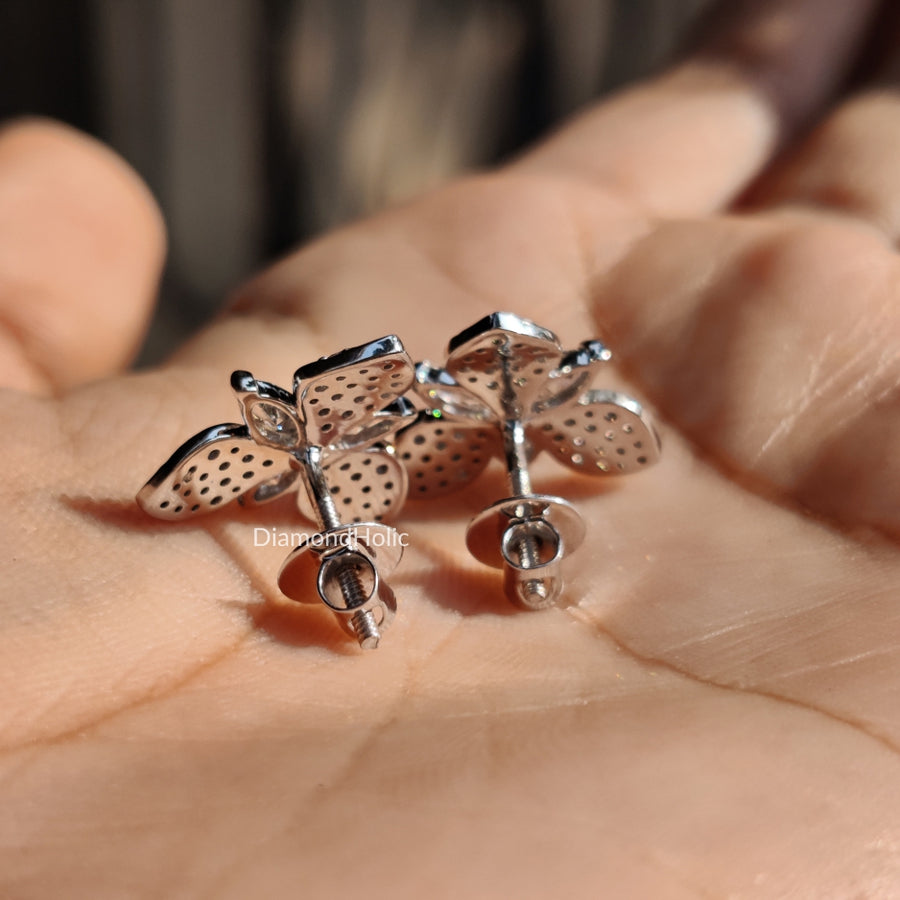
715	715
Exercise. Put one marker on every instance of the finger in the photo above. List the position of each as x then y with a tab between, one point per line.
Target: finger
847	165
774	345
692	139
81	247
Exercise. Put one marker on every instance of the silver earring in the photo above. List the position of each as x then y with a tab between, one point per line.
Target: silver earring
508	389
327	440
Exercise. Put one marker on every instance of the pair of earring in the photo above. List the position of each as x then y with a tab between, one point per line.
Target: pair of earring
354	446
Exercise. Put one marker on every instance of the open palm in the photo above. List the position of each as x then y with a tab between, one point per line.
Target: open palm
715	715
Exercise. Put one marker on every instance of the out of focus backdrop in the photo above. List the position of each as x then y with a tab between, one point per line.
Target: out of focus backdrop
259	123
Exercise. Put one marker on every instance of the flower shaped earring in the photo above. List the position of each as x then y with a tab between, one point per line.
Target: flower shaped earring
508	389
327	441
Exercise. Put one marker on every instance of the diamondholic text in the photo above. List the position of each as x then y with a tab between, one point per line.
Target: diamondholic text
347	537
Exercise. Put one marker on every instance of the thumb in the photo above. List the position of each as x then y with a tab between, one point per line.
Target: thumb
81	248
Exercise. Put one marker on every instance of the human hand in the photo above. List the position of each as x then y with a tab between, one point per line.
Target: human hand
717	715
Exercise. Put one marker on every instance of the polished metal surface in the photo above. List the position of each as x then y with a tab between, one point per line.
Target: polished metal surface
327	440
485	535
213	468
346	566
508	390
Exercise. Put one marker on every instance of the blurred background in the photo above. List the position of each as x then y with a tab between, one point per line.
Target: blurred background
259	123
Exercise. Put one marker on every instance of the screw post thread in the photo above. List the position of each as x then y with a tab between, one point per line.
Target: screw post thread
533	591
527	551
367	632
362	620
